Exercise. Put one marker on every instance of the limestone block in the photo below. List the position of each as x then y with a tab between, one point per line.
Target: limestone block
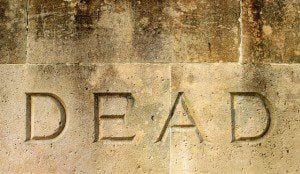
94	138
247	117
150	118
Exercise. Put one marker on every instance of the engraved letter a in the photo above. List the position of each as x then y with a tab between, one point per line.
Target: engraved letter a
45	116
180	118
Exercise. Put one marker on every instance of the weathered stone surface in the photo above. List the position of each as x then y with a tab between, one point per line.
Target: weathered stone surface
149	86
280	30
12	31
80	31
208	91
77	149
150	118
133	31
203	31
125	31
270	31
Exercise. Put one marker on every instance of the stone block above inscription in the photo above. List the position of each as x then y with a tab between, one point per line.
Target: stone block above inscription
149	31
133	31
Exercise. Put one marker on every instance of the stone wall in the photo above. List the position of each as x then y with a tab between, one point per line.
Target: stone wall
149	86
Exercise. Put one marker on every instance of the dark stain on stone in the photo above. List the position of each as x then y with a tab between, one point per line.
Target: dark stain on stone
5	42
265	48
147	37
50	19
256	9
274	12
87	12
83	16
209	47
40	23
3	7
12	32
253	24
281	16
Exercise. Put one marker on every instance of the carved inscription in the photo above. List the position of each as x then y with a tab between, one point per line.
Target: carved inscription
180	119
111	110
45	116
250	116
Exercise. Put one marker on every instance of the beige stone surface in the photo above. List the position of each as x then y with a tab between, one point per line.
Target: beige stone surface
226	124
149	86
77	149
150	118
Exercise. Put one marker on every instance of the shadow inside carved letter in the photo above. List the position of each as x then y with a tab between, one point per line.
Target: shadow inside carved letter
45	116
111	112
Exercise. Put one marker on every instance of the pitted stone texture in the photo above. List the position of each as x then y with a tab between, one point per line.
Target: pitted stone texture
181	124
133	31
12	31
207	92
75	149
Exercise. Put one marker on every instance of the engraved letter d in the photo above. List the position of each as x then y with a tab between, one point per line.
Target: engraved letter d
45	116
250	116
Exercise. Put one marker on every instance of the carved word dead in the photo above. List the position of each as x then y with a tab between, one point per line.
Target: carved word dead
112	109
